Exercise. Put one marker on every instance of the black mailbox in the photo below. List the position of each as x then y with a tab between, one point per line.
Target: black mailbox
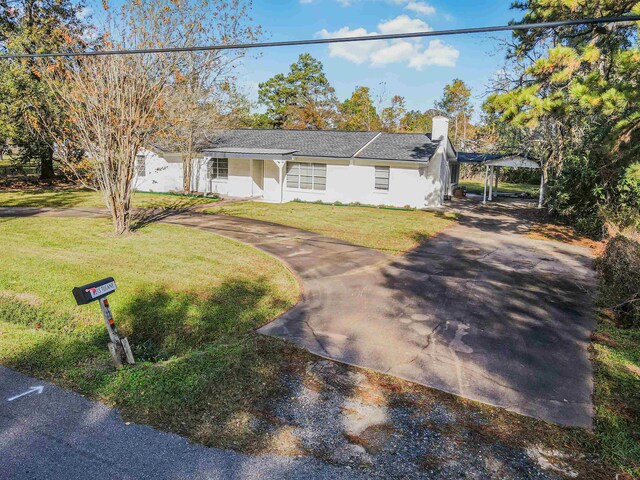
94	291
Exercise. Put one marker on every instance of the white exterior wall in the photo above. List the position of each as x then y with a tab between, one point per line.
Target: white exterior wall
410	184
413	185
161	175
239	183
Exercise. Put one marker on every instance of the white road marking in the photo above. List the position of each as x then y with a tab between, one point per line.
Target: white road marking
37	390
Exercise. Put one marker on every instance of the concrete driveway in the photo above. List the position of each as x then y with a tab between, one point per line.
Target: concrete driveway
480	311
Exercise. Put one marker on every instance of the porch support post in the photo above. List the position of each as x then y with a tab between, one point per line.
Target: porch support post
491	185
486	175
280	164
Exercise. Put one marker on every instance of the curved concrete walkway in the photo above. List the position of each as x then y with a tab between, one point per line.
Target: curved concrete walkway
480	311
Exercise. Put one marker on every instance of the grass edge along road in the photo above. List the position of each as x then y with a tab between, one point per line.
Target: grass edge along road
190	314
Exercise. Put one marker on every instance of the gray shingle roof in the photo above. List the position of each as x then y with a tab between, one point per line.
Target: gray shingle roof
331	143
309	143
400	146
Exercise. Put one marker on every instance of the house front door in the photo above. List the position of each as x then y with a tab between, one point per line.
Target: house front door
257	178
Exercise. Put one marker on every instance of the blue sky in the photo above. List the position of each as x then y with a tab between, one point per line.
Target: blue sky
416	70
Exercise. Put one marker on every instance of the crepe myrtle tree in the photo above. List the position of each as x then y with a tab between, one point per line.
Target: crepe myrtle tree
118	103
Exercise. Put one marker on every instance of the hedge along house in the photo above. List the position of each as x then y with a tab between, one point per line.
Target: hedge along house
378	168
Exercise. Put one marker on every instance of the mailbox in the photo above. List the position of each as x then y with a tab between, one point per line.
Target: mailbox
94	291
119	347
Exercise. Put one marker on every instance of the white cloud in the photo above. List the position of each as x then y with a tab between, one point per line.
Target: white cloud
356	52
437	53
384	52
421	8
345	3
395	52
305	1
403	24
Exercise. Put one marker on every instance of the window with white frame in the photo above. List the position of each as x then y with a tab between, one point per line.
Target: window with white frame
307	176
382	179
141	165
218	169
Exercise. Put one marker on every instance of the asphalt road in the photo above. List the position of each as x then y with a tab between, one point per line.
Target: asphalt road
58	434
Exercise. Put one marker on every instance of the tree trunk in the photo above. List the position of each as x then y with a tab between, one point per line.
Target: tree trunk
46	165
543	184
120	214
187	163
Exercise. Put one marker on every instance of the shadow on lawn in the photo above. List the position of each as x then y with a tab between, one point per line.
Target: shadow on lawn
199	365
163	323
222	385
47	197
147	216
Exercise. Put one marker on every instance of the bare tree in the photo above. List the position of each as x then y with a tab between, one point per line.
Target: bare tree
117	103
113	105
203	91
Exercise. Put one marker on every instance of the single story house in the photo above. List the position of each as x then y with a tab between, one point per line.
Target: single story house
378	168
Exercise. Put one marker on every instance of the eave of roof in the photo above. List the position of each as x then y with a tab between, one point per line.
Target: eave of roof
498	159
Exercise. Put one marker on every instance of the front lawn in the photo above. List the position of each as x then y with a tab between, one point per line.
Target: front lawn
477	187
75	197
188	301
390	230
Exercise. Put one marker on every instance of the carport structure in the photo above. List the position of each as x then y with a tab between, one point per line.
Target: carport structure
491	161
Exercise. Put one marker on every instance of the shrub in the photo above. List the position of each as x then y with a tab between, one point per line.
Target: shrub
619	269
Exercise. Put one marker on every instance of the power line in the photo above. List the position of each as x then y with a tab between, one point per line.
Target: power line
318	41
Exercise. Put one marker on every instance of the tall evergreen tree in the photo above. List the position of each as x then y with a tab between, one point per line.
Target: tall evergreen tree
582	96
303	98
358	112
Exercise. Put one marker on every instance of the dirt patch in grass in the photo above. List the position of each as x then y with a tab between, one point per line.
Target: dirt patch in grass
564	234
546	228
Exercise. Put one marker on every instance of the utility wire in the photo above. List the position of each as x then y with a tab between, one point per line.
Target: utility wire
366	38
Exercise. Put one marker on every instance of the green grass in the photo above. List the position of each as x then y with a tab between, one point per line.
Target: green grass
477	187
64	198
390	230
616	357
188	301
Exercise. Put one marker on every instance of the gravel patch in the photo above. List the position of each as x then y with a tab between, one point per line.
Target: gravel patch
342	416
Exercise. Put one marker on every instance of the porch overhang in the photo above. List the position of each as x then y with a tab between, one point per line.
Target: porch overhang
250	153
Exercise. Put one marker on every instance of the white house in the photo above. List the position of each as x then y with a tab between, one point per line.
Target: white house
378	168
